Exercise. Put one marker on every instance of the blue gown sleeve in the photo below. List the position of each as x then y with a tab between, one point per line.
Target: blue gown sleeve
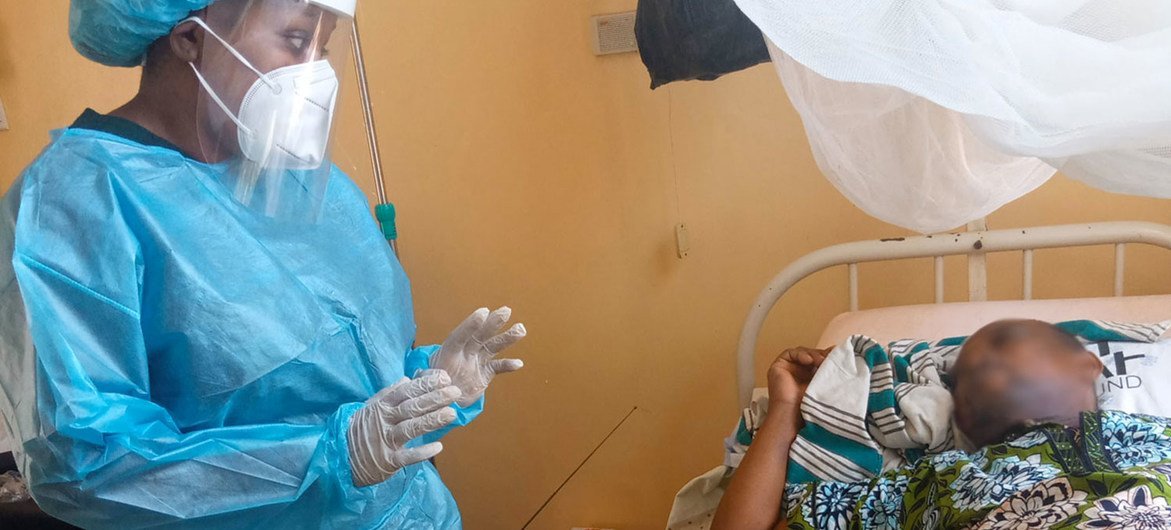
102	454
420	359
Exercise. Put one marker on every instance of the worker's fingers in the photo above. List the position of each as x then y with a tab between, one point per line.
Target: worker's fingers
466	330
502	341
491	326
427	381
414	455
420	406
504	366
429	371
468	401
387	393
415	427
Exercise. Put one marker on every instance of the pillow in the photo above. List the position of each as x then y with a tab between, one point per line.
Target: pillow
1134	361
1134	376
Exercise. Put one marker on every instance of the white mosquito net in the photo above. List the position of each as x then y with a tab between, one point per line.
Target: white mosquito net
932	113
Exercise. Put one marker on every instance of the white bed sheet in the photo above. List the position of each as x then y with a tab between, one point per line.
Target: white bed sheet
939	321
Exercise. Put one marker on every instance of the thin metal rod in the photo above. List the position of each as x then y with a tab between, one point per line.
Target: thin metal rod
939	279
1119	269
853	287
368	116
584	461
1027	267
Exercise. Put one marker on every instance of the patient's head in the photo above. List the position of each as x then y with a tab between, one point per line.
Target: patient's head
1013	373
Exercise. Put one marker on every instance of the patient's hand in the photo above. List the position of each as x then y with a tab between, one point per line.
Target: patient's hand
755	497
790	374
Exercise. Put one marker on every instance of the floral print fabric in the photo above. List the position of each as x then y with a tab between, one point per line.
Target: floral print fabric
1114	473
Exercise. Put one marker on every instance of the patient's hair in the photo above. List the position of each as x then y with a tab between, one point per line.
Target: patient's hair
1015	373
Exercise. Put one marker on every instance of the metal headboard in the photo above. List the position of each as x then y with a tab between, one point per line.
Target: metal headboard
974	244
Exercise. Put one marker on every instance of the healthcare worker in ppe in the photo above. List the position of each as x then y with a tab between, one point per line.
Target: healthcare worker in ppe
202	325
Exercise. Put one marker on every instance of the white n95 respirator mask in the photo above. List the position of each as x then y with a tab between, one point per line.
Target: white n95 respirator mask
284	119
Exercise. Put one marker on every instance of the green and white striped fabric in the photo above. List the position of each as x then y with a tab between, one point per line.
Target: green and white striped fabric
872	408
869	409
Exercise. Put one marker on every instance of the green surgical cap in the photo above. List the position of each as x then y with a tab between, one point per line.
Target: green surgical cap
118	32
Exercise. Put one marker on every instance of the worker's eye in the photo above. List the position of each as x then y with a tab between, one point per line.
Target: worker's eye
297	40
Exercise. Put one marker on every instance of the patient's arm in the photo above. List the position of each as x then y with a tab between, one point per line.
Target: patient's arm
754	498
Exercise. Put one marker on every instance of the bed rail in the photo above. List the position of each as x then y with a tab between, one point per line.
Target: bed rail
973	244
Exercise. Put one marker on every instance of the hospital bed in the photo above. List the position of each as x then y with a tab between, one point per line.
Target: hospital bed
938	320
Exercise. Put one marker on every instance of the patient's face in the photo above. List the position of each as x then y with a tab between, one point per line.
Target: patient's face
1014	372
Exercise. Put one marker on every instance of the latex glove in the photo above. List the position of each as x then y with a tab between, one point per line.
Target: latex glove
469	354
380	430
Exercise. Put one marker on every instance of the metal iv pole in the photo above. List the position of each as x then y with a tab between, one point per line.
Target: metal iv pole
384	211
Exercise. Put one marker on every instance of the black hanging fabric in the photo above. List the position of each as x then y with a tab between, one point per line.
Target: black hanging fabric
683	40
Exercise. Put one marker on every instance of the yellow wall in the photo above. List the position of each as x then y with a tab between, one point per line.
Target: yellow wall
529	172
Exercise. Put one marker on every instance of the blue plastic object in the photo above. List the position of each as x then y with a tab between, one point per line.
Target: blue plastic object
386	216
118	32
197	364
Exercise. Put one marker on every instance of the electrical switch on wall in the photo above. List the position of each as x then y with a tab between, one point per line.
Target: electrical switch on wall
614	33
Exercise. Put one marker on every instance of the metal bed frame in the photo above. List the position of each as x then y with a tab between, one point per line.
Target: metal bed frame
974	244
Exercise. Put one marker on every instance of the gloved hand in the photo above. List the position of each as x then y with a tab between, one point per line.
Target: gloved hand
399	413
468	355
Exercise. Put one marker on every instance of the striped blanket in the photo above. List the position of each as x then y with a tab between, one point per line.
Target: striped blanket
872	408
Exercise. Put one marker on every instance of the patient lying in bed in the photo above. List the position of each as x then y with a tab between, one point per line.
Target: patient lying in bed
1024	394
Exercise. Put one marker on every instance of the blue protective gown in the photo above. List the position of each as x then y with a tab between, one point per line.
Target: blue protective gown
196	364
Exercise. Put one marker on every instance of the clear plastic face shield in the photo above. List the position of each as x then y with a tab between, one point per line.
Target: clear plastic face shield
269	72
